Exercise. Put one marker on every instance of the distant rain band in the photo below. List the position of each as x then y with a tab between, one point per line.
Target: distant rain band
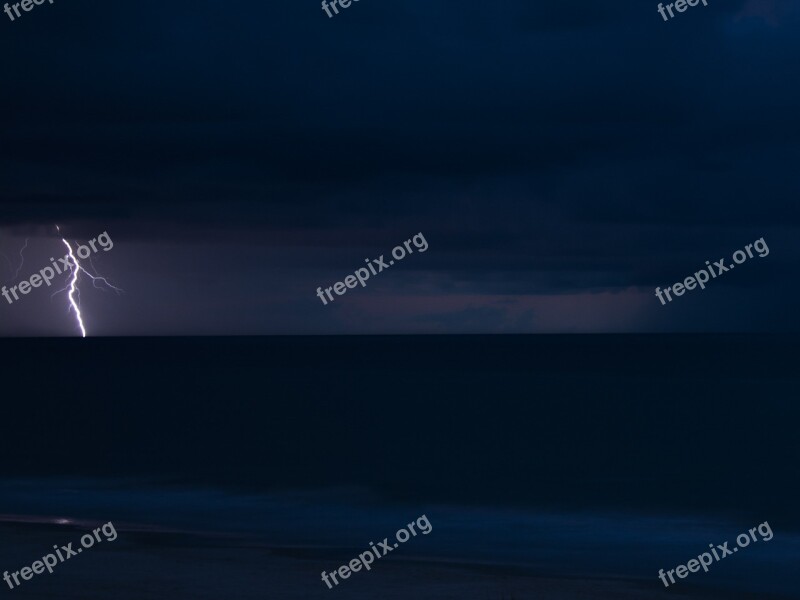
375	266
718	268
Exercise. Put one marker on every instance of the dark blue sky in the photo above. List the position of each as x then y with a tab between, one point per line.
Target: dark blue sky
561	159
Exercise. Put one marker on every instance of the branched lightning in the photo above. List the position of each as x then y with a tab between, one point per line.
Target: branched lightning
73	290
21	261
21	258
103	280
73	285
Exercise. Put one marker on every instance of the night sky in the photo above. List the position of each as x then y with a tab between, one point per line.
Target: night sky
561	159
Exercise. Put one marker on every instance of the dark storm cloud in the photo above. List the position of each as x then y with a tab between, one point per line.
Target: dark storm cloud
547	147
262	95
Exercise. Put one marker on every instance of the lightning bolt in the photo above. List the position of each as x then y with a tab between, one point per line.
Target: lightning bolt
76	268
21	258
21	261
103	280
73	286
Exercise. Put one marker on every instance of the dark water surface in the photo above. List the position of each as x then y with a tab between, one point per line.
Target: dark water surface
559	456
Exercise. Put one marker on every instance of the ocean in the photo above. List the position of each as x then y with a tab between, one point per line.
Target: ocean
549	466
